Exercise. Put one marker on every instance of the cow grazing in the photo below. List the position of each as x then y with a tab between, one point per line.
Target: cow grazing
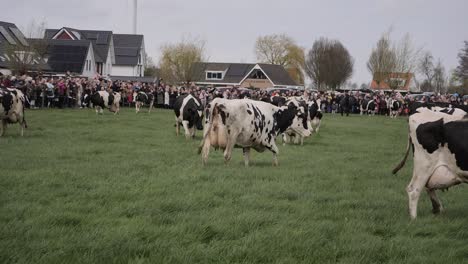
303	112
142	98
188	113
103	99
12	109
247	124
315	115
395	107
440	154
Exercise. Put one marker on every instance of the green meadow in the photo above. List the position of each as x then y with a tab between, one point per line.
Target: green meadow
81	188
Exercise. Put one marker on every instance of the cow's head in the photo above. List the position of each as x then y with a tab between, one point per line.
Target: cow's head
300	123
294	117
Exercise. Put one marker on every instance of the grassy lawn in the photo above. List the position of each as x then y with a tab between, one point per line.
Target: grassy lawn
124	189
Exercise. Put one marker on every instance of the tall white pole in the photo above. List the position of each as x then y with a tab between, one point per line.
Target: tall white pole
134	16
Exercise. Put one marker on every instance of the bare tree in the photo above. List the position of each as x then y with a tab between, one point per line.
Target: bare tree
392	62
328	64
282	50
150	67
29	54
177	63
440	78
382	59
461	72
426	67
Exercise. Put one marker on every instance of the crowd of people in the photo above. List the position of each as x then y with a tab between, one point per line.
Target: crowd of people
69	91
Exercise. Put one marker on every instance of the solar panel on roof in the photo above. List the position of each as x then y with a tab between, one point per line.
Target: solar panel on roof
102	39
92	35
19	35
126	51
7	35
238	69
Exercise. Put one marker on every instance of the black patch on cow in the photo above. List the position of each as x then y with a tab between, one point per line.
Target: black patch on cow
284	118
455	133
111	99
6	101
249	112
229	131
97	100
223	116
430	135
448	111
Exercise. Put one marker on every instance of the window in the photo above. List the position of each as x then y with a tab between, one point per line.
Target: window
214	75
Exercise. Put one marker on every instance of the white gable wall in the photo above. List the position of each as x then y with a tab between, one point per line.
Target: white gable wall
124	70
89	67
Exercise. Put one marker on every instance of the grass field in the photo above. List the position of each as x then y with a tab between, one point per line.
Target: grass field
125	189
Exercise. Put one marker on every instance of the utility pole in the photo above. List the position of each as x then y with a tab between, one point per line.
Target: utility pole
134	17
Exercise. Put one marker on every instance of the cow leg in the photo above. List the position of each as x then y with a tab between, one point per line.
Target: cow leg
414	192
117	110
3	128
192	132
436	204
246	152
302	140
150	107
231	141
185	124
177	129
137	107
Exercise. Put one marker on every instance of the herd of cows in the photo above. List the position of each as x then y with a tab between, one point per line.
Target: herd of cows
436	132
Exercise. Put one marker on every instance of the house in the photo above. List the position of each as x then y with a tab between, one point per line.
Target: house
129	55
114	54
245	75
101	41
16	52
392	81
63	56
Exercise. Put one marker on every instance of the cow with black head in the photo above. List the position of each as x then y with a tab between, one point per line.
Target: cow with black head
103	99
248	124
302	108
189	113
142	98
12	103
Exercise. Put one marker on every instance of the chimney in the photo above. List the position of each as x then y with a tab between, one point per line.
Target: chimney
134	16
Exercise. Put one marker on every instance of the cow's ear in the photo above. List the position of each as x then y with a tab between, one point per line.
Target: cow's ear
430	135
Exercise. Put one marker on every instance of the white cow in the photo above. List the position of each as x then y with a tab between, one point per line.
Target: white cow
12	109
247	124
440	154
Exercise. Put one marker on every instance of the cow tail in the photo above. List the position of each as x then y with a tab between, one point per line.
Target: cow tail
403	161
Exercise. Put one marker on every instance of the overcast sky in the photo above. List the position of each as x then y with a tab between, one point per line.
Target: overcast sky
230	28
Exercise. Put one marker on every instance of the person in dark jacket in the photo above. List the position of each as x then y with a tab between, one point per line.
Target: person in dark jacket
344	103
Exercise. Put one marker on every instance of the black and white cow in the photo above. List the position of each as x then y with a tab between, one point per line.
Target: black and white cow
103	99
247	124
12	109
368	107
188	113
142	98
440	153
291	135
315	115
395	106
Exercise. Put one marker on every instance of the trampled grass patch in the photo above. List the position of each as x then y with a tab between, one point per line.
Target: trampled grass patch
78	188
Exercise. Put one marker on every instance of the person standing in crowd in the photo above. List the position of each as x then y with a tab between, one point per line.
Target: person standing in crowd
166	97
344	103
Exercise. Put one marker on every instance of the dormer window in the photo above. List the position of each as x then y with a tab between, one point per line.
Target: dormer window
214	75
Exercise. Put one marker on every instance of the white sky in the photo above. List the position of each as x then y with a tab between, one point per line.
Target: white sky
230	28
